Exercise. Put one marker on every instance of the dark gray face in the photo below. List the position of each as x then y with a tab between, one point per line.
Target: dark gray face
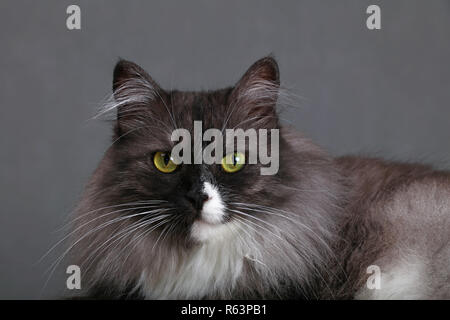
200	196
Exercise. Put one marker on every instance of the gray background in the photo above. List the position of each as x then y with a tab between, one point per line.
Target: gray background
382	93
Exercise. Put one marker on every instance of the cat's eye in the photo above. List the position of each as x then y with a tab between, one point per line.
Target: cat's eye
164	162
233	162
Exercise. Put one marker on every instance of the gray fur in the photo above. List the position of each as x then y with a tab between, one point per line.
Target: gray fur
317	224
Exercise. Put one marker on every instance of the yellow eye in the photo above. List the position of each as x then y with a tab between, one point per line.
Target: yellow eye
163	162
233	162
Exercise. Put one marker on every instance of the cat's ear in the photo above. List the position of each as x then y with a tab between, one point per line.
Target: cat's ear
128	75
255	95
134	93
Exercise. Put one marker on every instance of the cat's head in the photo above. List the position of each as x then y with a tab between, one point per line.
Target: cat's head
201	197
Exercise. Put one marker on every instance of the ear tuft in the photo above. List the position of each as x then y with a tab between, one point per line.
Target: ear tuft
133	95
265	69
256	93
126	71
122	72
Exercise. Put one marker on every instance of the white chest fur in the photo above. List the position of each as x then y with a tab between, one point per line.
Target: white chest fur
214	266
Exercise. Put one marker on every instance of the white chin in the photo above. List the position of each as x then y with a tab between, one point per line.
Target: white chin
210	225
202	231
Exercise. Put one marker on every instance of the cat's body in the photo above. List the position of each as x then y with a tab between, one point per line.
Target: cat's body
401	217
310	231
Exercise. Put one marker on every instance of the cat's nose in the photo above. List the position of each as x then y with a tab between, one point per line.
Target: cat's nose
197	198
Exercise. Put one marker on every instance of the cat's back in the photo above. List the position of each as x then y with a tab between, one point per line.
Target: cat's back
413	192
410	205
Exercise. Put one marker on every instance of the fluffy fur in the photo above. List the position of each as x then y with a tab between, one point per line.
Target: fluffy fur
310	231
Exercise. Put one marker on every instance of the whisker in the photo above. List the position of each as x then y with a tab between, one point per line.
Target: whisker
108	207
130	231
306	259
244	222
273	211
167	108
292	220
55	264
86	223
139	238
250	216
171	228
125	232
160	235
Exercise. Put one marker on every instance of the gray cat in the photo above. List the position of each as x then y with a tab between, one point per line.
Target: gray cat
148	228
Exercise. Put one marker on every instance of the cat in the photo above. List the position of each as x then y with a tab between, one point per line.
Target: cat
310	231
